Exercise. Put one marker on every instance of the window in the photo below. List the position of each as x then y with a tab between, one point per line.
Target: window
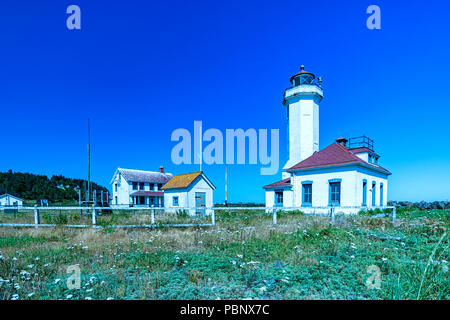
175	201
381	194
141	185
335	193
116	200
134	185
151	186
279	198
374	191
115	187
159	186
307	194
364	195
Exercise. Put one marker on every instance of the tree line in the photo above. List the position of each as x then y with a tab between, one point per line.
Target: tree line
35	187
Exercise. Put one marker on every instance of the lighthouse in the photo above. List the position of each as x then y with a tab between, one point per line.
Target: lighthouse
345	176
302	101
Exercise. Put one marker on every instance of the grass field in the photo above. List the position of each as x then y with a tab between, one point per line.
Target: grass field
242	257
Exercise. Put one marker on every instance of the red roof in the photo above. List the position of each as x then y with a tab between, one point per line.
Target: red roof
283	183
302	71
334	155
145	176
147	193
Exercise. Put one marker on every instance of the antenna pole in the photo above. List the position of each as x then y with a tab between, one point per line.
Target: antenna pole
226	187
201	153
89	160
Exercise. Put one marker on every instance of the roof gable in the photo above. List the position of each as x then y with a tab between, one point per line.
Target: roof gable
333	155
285	183
182	181
11	196
132	175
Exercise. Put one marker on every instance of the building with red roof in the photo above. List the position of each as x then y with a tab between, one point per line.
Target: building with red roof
138	187
345	174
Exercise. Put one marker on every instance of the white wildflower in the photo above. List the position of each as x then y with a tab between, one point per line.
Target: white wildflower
88	298
69	296
15	297
57	280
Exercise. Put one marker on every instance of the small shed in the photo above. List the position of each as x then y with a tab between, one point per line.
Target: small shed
8	200
192	192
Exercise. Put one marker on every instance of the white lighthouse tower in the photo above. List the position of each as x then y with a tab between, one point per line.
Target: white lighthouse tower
302	103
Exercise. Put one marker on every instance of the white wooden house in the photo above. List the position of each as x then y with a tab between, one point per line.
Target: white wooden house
193	191
8	200
138	188
339	175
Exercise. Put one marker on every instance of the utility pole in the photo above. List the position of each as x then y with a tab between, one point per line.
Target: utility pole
201	153
89	161
226	188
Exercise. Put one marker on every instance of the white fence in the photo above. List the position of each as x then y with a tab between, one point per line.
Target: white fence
94	212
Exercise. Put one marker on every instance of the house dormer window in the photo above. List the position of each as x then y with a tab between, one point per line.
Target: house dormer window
135	186
141	185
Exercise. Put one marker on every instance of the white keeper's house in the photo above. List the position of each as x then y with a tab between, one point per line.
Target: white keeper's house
192	192
345	174
138	188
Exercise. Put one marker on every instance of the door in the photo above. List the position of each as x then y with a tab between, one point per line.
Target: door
200	203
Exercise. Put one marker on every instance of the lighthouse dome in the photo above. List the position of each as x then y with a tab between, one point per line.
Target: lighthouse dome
302	77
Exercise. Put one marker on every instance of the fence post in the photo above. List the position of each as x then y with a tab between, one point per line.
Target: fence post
274	216
213	218
332	214
153	215
94	217
394	214
37	217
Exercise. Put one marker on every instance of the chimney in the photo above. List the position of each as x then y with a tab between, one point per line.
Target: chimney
342	141
161	169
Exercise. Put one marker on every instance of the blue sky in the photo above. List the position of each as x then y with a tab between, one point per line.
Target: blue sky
141	69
